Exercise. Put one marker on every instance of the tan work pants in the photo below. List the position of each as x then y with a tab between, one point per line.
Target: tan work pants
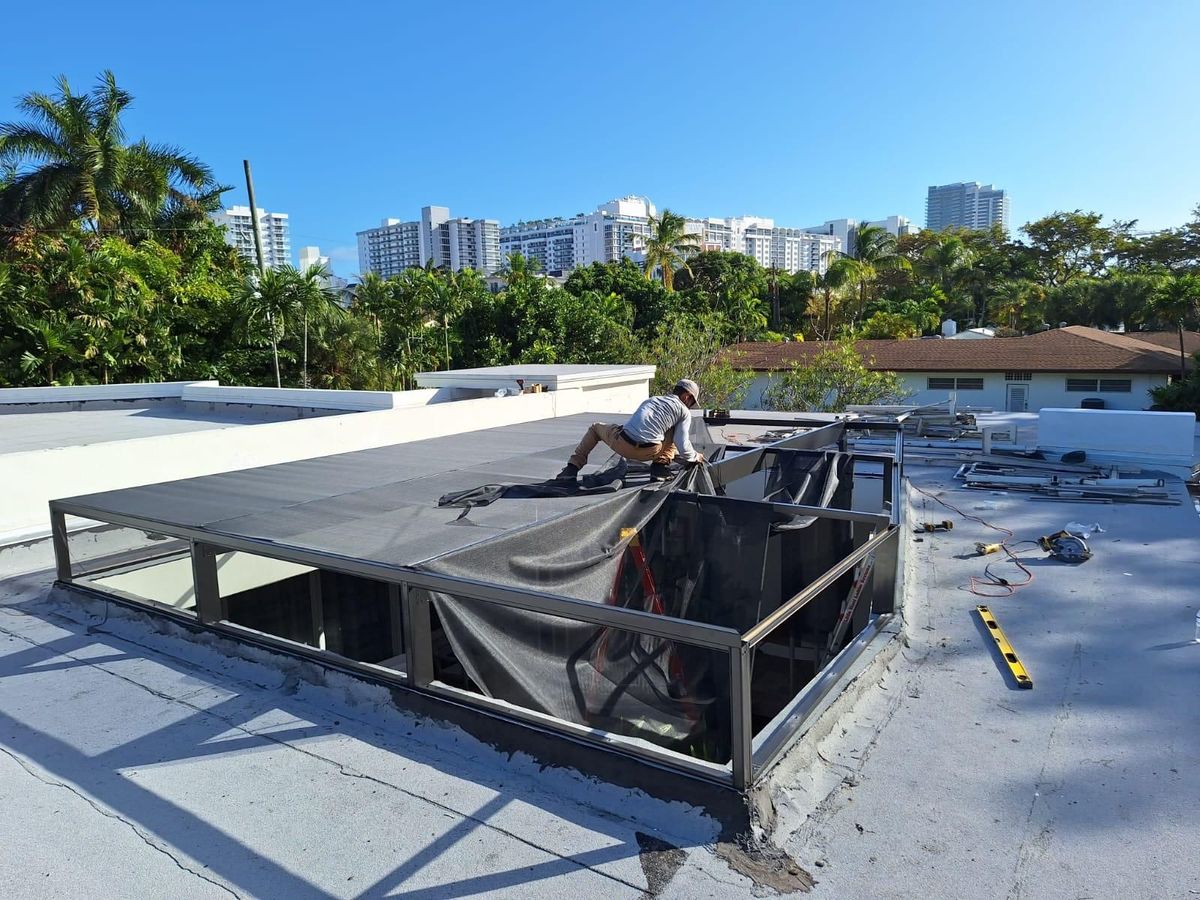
662	452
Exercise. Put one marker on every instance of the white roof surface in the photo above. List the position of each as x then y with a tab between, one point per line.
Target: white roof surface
139	761
48	428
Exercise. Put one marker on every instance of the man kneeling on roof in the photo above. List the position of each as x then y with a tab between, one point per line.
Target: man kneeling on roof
655	432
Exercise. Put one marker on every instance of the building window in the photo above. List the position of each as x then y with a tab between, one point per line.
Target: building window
1103	385
954	384
1018	376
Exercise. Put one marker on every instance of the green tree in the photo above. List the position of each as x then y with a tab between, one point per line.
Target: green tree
905	318
71	164
834	379
733	284
887	325
1068	246
668	247
314	303
1178	301
692	347
649	300
268	299
875	252
796	292
78	308
1181	395
840	272
945	262
1016	304
519	268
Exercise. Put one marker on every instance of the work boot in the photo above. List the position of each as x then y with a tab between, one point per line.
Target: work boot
569	473
660	472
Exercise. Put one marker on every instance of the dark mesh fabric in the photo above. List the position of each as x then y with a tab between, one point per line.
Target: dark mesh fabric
611	478
706	558
605	678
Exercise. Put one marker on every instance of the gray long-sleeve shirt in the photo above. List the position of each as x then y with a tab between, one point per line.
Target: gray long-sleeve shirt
655	417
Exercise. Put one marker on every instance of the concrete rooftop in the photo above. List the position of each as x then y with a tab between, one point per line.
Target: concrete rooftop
49	428
138	755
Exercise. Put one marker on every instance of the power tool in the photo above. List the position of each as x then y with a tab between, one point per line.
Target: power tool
1066	547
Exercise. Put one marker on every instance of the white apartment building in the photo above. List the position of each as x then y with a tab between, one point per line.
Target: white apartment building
557	244
437	238
846	229
274	229
389	249
966	204
614	230
619	227
789	249
311	256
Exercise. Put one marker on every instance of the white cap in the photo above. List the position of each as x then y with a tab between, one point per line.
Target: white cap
690	386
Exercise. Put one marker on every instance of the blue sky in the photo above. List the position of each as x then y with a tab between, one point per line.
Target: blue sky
801	111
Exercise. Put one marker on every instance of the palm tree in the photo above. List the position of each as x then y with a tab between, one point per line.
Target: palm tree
839	271
314	301
874	252
775	277
519	268
945	261
1009	299
52	342
1178	301
72	164
270	298
372	298
668	247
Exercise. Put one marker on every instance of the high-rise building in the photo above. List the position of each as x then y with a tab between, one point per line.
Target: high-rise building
389	249
274	229
619	227
559	245
437	238
311	256
846	230
966	204
789	249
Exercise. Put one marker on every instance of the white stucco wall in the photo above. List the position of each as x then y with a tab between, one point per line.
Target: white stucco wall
1046	389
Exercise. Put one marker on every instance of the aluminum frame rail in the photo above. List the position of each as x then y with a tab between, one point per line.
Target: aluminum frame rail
747	763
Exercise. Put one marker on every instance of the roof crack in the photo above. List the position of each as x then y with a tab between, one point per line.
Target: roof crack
110	814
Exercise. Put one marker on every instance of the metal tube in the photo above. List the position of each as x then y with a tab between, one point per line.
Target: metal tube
62	549
418	636
784	612
825	512
396	619
883	584
209	607
689	632
316	603
741	732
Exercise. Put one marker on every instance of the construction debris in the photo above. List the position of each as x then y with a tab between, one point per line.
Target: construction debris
941	420
1066	483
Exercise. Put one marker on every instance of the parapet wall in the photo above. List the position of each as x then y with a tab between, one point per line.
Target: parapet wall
32	478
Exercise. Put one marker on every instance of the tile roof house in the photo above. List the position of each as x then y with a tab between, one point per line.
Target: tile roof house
1055	368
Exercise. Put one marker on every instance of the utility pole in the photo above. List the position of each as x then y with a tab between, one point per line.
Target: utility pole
262	265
